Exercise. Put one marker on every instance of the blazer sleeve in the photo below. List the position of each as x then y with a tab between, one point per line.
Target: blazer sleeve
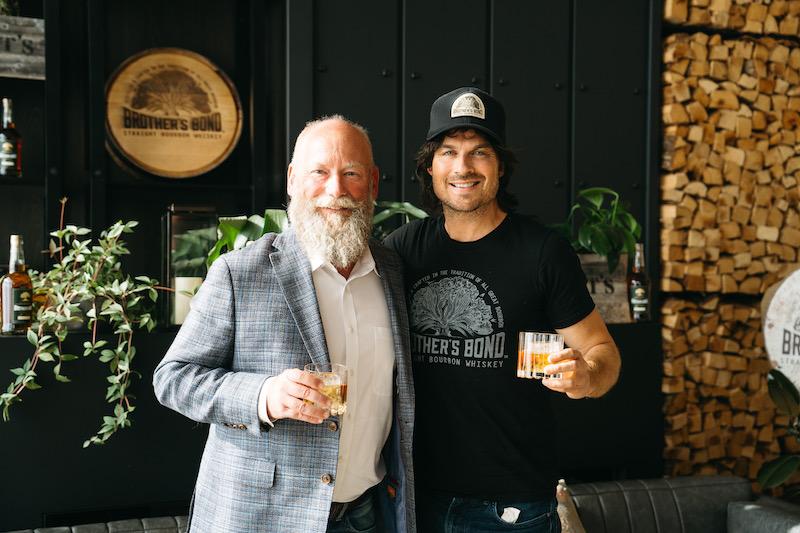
196	377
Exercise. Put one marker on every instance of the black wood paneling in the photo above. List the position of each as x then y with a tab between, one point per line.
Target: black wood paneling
357	66
609	80
445	47
139	470
530	76
621	435
299	69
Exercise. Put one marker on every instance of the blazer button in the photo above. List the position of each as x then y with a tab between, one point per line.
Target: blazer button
333	426
326	479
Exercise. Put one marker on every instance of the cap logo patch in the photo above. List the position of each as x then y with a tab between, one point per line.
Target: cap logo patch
468	105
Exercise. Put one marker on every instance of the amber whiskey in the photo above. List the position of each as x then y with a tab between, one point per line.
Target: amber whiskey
17	292
639	287
10	144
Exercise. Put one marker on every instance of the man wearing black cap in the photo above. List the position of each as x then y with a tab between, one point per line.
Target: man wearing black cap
476	274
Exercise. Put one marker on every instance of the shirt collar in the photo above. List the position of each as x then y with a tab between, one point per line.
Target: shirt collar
364	265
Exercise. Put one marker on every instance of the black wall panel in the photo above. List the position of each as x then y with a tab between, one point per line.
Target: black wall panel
530	75
445	46
356	58
610	68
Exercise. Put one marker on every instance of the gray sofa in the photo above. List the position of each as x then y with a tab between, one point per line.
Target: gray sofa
691	504
164	524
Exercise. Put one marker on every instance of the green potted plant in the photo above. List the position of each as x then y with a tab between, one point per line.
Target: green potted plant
598	223
86	282
237	232
787	401
604	234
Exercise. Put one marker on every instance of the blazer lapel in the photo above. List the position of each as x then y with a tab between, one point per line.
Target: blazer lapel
388	281
293	273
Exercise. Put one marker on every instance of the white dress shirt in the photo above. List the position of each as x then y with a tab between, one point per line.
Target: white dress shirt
358	334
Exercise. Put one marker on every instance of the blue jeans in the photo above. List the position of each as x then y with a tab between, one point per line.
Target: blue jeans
444	514
361	518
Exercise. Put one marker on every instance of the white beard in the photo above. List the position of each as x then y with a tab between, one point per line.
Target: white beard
339	238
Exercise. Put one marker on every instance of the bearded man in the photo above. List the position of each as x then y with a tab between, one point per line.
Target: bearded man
321	292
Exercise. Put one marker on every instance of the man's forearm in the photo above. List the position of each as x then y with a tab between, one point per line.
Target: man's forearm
604	364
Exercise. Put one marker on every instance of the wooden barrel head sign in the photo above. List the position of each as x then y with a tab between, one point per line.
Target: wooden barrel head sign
782	328
172	113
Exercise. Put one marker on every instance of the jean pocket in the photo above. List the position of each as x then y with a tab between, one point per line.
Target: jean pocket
361	519
533	516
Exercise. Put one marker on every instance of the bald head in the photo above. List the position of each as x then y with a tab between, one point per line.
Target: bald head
331	123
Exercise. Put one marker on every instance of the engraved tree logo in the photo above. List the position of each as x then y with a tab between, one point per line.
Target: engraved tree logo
171	92
451	306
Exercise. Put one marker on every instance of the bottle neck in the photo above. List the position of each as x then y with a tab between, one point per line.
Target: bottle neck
8	114
16	260
638	259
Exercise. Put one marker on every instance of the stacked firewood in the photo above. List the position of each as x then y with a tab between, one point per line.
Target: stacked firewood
730	191
752	16
719	416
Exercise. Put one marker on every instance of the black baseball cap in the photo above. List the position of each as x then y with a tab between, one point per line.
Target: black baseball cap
468	107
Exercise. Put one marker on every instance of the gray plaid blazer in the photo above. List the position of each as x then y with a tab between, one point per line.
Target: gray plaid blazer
256	315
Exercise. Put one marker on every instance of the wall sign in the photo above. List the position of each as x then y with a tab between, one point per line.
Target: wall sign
21	47
172	113
782	328
609	291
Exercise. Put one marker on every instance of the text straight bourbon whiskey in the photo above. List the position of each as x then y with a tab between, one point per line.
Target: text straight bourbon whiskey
17	291
639	287
10	144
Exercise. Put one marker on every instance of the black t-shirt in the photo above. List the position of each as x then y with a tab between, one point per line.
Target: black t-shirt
480	431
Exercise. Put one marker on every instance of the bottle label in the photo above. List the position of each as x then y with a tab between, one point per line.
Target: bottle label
639	300
8	155
23	308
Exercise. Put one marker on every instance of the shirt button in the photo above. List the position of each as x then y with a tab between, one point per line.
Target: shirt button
326	479
333	426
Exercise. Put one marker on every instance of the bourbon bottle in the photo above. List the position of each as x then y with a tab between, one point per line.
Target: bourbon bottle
10	144
17	292
639	287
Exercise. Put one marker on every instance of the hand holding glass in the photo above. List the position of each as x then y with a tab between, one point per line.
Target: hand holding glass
534	350
334	384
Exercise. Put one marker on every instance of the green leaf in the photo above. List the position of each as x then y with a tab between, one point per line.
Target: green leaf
584	238
600	242
783	393
32	385
62	378
778	471
32	338
275	221
252	230
68	357
46	357
19	371
592	196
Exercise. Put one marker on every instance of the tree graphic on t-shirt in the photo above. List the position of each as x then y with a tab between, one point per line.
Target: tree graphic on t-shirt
451	306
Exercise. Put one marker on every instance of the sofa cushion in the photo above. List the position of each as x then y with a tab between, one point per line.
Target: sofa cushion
164	524
688	504
767	515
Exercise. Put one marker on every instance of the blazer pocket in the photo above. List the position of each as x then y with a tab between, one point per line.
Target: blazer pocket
243	476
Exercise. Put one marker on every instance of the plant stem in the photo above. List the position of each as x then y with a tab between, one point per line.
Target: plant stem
61	228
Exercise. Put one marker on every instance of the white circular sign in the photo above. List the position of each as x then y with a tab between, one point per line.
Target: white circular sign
782	328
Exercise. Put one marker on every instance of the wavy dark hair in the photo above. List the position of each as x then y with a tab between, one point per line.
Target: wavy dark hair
424	159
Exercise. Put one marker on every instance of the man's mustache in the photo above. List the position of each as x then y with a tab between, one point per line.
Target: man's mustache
343	202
